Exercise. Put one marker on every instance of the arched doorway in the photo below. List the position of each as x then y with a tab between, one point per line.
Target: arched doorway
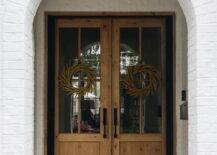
181	125
140	121
200	17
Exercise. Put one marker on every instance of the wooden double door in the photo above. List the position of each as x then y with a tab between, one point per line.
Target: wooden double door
110	86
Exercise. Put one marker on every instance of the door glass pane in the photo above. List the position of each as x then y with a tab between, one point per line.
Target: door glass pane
68	104
80	113
151	42
129	56
139	112
90	102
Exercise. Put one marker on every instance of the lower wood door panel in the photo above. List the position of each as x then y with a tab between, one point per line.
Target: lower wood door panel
140	148
125	148
138	145
79	148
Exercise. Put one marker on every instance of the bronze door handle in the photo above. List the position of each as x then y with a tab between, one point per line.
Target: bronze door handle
104	122
115	122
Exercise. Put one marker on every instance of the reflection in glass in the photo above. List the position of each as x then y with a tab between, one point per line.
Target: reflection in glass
129	56
68	104
141	114
151	41
80	113
90	102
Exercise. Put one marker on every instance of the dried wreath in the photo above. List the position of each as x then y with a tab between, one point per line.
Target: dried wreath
66	79
149	78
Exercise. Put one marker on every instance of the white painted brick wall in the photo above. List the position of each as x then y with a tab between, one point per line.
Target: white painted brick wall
1	57
202	75
16	66
17	77
13	119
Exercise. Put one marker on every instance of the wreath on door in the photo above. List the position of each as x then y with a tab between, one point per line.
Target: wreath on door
66	79
148	76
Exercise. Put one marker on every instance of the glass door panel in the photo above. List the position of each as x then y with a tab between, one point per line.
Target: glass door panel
69	103
151	104
129	56
139	86
80	113
81	109
90	102
139	113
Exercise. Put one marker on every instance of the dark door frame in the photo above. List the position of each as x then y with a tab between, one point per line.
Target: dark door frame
49	72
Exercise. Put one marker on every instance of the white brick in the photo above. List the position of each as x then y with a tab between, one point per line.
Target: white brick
13	129
14	110
12	56
11	27
13	74
13	37
10	65
13	46
13	83
16	17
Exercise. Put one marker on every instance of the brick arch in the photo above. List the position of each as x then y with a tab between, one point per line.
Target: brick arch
188	11
185	4
201	17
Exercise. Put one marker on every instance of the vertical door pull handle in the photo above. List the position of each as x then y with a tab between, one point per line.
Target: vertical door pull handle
115	122
104	122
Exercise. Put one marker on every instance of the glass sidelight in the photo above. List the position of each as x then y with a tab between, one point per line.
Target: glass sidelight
80	113
139	113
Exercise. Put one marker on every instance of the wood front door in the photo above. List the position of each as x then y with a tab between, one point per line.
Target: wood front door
110	86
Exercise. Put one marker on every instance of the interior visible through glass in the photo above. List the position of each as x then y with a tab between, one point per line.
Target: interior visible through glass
139	114
129	56
151	54
90	102
68	104
80	113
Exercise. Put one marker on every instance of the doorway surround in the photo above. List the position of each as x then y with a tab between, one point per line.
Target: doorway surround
50	18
